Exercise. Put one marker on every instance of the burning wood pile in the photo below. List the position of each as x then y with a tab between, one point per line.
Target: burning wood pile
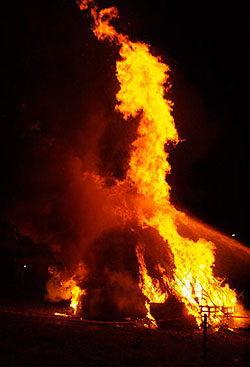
148	256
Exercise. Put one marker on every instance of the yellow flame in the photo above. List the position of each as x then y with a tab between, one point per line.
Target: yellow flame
150	287
62	287
194	283
76	293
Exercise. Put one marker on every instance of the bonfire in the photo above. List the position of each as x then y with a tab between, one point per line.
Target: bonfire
162	253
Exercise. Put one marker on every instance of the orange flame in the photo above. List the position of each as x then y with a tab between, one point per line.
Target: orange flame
143	78
150	287
60	289
75	293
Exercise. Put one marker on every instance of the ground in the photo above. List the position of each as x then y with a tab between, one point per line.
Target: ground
34	337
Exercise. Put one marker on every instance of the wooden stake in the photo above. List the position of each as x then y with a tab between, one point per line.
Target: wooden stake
205	337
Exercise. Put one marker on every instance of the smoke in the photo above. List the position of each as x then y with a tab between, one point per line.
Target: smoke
69	198
244	320
64	205
74	204
70	202
112	284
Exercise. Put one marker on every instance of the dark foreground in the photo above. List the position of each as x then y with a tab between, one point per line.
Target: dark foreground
48	341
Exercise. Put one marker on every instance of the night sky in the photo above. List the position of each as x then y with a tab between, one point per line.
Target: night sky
57	78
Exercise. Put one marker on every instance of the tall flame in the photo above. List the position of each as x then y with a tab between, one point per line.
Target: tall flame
143	80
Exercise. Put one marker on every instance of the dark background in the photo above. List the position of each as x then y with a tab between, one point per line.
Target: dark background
55	75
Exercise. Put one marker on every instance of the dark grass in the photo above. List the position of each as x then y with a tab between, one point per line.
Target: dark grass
51	342
47	341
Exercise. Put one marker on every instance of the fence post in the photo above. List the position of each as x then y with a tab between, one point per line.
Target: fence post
205	337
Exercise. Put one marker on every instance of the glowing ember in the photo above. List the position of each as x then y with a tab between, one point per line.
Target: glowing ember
61	314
